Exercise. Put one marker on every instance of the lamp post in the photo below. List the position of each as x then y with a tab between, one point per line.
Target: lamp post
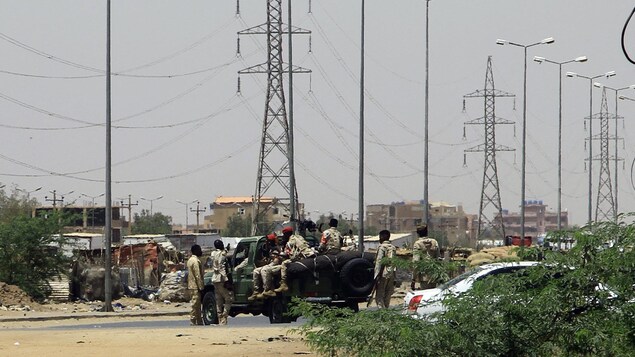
187	205
28	193
616	90
541	60
607	75
151	201
93	208
546	41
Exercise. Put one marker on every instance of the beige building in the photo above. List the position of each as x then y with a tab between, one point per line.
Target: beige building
89	219
404	217
538	220
224	207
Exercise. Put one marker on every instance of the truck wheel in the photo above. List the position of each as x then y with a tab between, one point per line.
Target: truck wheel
210	314
278	308
357	277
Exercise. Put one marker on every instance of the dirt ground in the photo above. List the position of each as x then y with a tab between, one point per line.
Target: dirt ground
28	339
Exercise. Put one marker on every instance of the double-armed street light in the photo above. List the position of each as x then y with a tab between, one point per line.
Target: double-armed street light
28	193
92	207
187	209
607	75
151	200
546	41
541	60
616	90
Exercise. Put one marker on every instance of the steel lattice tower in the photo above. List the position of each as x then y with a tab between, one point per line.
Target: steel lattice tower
605	205
490	192
274	167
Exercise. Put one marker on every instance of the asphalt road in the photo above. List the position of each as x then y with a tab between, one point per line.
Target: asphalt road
238	321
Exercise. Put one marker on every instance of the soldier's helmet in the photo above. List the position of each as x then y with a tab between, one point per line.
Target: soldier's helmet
218	244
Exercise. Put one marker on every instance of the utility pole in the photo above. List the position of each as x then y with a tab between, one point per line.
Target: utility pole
55	200
490	191
198	210
275	166
129	207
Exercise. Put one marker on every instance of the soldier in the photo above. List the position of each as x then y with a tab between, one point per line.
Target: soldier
220	278
195	284
267	253
296	248
384	273
423	248
331	242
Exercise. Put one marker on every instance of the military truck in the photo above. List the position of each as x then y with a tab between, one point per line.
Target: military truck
342	280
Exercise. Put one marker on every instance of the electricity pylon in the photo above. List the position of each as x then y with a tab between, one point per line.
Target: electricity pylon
490	192
274	164
605	205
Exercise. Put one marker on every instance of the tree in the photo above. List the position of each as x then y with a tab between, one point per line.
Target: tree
30	247
577	303
157	223
238	226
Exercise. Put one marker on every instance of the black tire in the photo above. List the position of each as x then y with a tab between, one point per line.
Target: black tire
278	309
357	277
353	305
210	314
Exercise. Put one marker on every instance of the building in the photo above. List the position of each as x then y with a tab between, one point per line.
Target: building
225	207
403	217
89	219
538	220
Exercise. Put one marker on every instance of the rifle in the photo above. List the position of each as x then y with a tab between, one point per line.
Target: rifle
375	282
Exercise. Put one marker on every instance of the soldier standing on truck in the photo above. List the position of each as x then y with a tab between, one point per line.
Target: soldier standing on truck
384	273
331	242
195	284
295	248
423	248
220	279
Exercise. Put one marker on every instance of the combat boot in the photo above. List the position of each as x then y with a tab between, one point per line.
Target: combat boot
268	293
254	296
283	287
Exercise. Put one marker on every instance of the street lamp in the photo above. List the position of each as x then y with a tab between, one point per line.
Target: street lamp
28	193
546	41
616	90
93	207
187	204
151	201
541	60
607	75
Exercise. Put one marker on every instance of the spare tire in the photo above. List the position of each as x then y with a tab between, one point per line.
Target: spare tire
357	277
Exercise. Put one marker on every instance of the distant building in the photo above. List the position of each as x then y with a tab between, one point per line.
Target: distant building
225	207
89	219
404	217
538	220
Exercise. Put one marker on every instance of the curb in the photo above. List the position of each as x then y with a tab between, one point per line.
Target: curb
71	316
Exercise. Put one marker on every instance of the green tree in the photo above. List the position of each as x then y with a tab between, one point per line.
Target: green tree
157	223
577	303
30	247
238	226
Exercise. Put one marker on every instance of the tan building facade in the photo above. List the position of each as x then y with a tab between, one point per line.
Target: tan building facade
538	220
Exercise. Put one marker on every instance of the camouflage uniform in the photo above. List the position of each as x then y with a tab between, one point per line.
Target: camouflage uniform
424	248
223	295
267	276
331	241
297	249
386	283
195	286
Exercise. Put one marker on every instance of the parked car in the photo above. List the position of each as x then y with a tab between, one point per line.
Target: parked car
423	303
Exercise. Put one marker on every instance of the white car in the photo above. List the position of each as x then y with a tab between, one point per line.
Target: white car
423	303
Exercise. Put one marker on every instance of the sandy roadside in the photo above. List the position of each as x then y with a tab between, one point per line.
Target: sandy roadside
29	339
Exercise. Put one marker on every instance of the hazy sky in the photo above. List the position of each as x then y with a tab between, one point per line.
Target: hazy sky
181	130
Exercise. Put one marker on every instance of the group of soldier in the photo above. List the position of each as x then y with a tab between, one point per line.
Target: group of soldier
279	252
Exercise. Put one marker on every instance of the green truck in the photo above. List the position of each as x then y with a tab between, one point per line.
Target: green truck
342	280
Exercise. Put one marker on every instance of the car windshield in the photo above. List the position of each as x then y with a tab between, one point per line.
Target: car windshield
459	278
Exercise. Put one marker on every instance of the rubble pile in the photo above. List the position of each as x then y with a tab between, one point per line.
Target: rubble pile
174	287
12	297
